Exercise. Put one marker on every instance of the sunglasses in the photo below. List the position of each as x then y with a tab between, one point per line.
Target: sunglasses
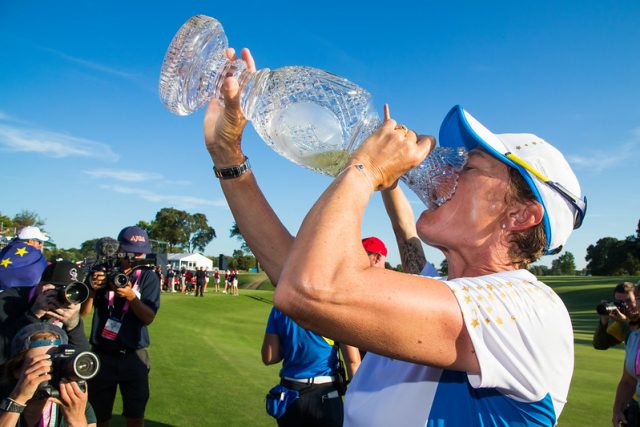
579	205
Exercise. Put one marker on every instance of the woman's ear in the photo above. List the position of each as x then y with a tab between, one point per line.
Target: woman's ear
524	216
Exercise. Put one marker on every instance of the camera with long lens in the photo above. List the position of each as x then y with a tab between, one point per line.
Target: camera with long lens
74	293
108	259
69	364
607	307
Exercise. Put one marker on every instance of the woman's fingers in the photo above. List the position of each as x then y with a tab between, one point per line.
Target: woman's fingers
248	59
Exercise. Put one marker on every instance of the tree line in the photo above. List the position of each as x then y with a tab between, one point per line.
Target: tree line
173	231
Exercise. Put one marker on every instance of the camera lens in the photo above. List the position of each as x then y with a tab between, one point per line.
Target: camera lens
86	365
76	293
605	308
120	280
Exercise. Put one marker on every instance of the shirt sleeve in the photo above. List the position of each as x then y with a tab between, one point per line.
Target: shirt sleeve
602	339
149	285
272	327
521	333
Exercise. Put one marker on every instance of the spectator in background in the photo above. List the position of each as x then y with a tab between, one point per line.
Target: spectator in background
171	278
234	282
183	279
227	276
22	261
216	279
201	277
614	328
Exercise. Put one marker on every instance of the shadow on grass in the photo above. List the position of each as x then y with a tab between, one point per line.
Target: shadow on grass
261	299
119	420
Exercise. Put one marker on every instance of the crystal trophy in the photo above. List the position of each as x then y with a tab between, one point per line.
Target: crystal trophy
311	117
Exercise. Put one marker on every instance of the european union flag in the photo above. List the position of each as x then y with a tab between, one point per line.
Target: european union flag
20	265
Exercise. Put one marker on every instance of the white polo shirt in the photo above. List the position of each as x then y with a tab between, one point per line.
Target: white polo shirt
522	335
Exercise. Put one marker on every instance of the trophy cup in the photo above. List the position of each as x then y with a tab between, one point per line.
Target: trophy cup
311	117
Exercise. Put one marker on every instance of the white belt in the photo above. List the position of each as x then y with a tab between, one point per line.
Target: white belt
323	379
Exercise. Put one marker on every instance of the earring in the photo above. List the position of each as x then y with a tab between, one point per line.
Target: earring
503	226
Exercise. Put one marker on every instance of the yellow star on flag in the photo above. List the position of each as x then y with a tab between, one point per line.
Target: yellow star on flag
21	251
5	262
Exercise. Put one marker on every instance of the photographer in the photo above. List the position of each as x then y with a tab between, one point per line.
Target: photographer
617	319
28	370
119	335
49	301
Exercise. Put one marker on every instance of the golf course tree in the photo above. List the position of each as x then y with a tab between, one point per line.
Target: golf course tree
25	218
610	256
181	230
235	232
565	264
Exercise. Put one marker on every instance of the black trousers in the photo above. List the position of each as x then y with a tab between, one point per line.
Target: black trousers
318	406
129	371
200	290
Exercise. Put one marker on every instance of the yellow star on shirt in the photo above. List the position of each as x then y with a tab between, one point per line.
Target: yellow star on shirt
475	323
5	262
21	251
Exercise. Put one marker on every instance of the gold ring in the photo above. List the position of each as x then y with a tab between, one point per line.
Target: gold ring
402	127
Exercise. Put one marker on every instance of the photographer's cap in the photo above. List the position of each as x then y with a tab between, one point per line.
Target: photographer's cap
543	167
32	233
62	273
22	340
134	240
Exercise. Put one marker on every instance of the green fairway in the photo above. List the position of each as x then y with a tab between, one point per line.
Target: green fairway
207	371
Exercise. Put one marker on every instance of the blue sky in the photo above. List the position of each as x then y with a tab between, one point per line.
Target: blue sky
86	143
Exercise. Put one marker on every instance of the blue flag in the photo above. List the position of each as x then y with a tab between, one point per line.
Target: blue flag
20	265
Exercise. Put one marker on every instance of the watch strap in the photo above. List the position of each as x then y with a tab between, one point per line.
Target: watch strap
233	172
10	405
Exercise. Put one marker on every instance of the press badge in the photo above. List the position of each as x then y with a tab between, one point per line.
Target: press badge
111	328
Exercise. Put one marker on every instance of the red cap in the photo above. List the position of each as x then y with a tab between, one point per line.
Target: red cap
374	245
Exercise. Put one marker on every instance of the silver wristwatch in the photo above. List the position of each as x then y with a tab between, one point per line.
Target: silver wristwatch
233	171
10	405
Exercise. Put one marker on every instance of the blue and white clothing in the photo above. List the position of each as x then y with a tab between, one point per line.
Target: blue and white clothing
630	356
305	353
523	339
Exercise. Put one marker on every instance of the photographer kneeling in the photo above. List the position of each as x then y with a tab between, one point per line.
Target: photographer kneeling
119	335
36	387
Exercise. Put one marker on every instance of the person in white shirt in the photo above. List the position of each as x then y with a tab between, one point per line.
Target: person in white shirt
490	345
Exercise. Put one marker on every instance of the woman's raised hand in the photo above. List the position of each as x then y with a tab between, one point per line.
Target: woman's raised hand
392	151
223	125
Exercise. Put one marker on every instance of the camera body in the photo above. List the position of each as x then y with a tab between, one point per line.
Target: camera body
109	260
69	364
606	308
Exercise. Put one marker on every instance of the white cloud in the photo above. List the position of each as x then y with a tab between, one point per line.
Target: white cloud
52	144
183	202
124	175
600	160
89	64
